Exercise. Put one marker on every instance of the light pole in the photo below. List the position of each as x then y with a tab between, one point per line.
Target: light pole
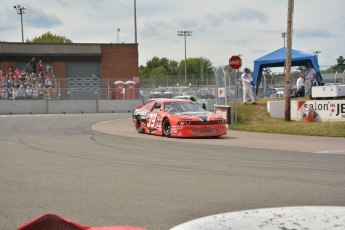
118	35
317	54
283	36
21	11
185	33
135	22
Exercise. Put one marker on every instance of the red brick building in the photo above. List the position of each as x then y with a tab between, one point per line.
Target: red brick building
78	68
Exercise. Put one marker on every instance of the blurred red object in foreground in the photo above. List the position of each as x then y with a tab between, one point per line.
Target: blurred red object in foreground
56	222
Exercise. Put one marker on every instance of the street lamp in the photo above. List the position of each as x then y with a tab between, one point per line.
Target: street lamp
21	11
185	33
317	54
283	36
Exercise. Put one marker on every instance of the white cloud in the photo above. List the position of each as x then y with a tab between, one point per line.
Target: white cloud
221	28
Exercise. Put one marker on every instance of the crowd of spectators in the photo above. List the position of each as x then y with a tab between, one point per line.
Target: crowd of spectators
35	82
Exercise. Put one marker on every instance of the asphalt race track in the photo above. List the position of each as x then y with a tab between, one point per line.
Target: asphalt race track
95	169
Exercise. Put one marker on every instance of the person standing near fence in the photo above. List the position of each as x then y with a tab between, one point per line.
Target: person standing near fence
300	86
310	76
247	83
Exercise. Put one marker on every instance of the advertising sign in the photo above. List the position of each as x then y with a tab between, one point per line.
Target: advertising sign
324	110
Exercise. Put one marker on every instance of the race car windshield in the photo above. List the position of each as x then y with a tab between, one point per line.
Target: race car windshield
181	106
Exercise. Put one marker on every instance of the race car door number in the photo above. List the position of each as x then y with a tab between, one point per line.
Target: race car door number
152	120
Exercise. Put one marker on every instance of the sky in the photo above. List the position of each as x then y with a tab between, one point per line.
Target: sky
220	28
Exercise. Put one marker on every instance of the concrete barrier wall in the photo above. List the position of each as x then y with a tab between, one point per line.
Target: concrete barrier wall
276	108
64	106
72	106
332	110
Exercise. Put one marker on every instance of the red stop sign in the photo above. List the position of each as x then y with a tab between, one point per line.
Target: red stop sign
235	62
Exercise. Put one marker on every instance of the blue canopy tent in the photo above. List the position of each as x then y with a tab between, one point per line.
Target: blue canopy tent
277	59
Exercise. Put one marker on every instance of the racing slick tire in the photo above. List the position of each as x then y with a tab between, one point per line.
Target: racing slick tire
166	128
138	125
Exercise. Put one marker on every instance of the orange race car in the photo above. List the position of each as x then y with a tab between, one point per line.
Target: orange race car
177	118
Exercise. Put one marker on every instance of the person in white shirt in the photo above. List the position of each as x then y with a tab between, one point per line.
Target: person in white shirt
247	82
300	86
310	76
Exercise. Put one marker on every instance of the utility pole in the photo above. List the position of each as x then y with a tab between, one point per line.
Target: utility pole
288	61
21	11
185	33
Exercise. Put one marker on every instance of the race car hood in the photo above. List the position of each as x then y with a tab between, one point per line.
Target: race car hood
202	115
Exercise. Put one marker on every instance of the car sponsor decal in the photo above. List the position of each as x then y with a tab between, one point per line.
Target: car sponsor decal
173	129
141	112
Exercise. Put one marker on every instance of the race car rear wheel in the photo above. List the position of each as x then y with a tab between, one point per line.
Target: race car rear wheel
138	125
166	128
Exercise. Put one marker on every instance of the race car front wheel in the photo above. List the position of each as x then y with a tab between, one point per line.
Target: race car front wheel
138	125
166	128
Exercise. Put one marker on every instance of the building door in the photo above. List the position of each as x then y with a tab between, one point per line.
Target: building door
83	80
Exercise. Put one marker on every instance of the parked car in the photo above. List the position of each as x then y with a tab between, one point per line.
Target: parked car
169	92
201	102
157	93
177	118
206	93
280	92
184	90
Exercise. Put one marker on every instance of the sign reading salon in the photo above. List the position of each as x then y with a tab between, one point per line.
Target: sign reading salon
324	110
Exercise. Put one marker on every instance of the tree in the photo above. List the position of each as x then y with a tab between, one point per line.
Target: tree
340	63
196	66
301	69
163	70
49	38
199	68
340	60
165	66
340	66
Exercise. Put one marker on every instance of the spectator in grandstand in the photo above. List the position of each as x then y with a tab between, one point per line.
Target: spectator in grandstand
49	93
41	78
33	64
4	94
21	92
40	91
22	77
9	73
48	68
16	94
40	66
48	82
28	92
35	92
16	83
17	73
10	82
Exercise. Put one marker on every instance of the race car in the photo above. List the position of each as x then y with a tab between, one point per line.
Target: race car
177	118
